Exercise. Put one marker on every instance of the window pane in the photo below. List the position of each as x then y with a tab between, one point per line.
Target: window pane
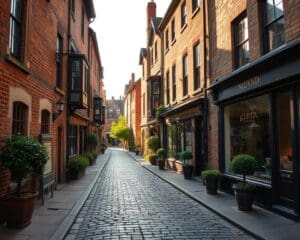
246	126
243	30
276	34
285	130
278	9
270	11
244	54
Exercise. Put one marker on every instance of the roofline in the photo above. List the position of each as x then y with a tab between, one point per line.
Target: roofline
173	5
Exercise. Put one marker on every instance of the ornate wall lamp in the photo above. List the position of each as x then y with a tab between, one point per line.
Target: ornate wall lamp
60	104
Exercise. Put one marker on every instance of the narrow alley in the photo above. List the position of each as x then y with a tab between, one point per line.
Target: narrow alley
128	202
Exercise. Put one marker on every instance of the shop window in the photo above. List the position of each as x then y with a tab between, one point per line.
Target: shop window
246	126
184	75
241	41
16	28
72	140
179	137
45	122
20	118
173	30
78	74
285	129
168	87
174	82
183	14
196	56
273	24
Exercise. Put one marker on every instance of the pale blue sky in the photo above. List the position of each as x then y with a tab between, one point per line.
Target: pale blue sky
121	32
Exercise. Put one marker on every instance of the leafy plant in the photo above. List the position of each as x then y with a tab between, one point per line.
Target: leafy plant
22	155
153	158
161	153
159	111
89	156
243	164
186	156
153	143
78	163
92	140
211	173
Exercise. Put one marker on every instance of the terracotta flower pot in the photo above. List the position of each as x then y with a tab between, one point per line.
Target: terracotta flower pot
18	209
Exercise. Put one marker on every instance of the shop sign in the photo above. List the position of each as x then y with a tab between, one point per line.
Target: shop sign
249	83
248	117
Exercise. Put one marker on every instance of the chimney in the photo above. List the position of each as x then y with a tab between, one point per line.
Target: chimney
132	78
151	12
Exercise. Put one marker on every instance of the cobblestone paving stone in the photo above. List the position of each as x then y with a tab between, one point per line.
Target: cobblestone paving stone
128	202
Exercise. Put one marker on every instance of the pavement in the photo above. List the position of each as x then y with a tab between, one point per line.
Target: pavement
59	214
54	218
260	223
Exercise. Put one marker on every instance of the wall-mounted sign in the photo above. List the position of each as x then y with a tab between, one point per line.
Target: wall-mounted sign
248	117
249	83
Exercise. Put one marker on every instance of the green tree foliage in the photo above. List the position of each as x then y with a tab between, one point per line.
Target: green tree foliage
119	130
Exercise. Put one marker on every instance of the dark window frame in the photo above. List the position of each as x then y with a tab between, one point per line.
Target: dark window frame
167	39
173	33
45	121
168	87
238	44
59	61
82	22
16	28
185	75
196	66
268	24
73	138
195	5
183	14
20	118
173	82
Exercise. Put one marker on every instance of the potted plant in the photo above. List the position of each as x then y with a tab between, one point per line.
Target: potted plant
211	178
153	143
77	166
161	158
186	156
153	159
159	111
91	157
137	149
103	148
243	164
21	155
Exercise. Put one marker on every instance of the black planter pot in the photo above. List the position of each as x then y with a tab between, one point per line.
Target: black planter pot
161	164
211	184
187	171
244	198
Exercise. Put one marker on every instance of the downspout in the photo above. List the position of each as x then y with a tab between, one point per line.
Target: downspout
68	75
205	106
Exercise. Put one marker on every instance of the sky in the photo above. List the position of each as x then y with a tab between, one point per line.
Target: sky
120	27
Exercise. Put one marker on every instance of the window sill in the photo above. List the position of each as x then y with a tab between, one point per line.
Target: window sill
256	182
184	97
173	41
183	28
60	91
174	102
199	90
195	12
17	63
167	50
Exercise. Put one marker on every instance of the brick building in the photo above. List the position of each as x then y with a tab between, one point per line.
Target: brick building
132	109
254	59
39	43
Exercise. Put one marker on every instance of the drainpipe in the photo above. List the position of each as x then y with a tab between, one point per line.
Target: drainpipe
68	103
205	106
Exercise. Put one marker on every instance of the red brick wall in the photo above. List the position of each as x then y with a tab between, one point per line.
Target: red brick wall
39	82
220	16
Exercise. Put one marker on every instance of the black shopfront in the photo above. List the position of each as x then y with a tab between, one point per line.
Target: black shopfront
259	114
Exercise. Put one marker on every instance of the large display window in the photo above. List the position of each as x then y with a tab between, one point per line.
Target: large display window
246	131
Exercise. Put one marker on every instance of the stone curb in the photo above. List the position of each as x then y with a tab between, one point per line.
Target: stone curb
64	227
244	228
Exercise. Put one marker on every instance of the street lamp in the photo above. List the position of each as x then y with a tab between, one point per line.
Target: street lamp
60	104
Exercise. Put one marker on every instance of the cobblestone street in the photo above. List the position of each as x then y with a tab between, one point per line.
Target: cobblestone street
128	202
